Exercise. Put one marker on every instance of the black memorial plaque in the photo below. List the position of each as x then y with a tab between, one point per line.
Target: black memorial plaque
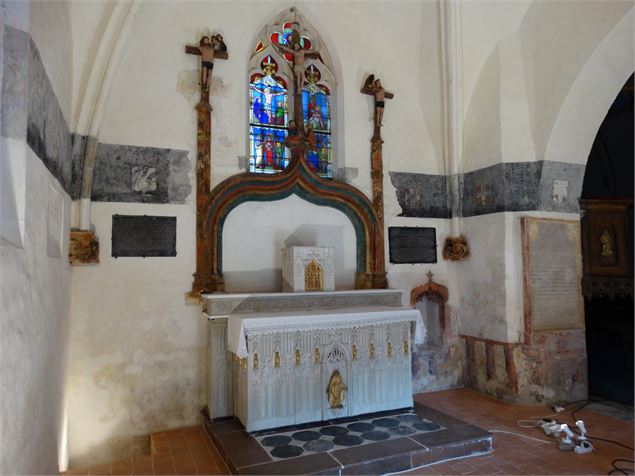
412	244
142	235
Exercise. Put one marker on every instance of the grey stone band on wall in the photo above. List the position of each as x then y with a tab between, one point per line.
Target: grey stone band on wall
506	187
30	109
421	195
126	173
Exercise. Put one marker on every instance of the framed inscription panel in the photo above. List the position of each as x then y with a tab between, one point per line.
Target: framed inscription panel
552	268
412	245
143	236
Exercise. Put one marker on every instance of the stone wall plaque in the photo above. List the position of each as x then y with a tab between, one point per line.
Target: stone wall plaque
143	236
552	274
412	245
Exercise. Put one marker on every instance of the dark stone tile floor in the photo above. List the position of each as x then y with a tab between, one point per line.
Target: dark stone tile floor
333	437
367	444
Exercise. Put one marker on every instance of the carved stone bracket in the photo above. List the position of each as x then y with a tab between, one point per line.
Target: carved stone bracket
83	248
456	248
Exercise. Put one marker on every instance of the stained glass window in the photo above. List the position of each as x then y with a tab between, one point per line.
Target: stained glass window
267	119
316	111
272	104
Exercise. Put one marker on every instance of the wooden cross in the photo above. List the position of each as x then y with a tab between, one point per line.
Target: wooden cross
372	86
213	48
210	48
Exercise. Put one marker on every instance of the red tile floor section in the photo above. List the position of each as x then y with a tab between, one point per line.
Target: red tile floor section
190	451
517	455
181	451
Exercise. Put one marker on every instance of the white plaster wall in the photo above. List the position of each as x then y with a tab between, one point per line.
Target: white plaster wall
35	274
558	38
521	65
34	303
482	292
255	233
137	352
591	95
483	25
50	28
89	21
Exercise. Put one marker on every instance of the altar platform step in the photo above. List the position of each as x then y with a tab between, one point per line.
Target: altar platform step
437	437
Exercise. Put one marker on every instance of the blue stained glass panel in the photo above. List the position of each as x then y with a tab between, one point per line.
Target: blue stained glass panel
267	152
268	101
319	160
316	109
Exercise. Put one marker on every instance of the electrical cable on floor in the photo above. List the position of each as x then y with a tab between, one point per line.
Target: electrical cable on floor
533	421
621	470
589	437
520	434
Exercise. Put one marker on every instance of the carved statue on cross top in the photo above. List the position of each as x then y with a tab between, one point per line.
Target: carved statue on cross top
373	87
209	49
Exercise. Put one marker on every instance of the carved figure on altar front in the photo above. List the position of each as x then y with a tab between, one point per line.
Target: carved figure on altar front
336	390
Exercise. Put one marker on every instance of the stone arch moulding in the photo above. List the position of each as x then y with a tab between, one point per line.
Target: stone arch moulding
299	179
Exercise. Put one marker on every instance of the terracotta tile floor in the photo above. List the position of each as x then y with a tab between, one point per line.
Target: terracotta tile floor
181	451
190	451
517	455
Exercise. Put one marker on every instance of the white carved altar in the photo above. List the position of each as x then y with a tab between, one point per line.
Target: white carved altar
272	368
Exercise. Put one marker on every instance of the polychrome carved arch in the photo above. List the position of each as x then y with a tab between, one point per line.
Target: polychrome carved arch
299	179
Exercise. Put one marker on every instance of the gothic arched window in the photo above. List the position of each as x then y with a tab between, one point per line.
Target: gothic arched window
271	96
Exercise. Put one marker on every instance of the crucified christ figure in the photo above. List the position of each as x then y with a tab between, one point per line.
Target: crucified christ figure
299	55
209	48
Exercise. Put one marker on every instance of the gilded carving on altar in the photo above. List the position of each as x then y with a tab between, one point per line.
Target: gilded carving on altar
336	390
313	276
308	268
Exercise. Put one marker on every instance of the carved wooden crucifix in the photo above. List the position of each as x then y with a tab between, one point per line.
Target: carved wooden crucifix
209	48
373	87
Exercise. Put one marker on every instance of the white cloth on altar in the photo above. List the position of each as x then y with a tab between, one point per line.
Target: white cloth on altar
240	326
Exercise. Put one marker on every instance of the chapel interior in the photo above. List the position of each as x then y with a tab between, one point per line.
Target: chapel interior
239	220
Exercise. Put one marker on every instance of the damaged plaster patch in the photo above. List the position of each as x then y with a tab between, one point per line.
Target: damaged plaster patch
560	190
187	83
225	141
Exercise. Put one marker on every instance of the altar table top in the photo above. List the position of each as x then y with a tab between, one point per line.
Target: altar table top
239	326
